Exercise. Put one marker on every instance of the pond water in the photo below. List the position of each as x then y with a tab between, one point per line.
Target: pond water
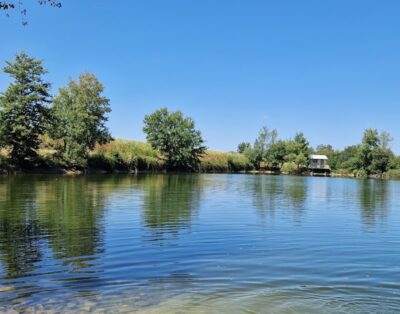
199	244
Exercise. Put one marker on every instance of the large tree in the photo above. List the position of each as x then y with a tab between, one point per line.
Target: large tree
24	112
176	137
79	113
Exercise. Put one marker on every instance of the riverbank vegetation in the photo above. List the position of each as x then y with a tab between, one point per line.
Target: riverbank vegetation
372	157
67	132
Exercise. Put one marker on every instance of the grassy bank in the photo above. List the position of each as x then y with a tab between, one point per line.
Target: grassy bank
132	156
213	161
128	156
123	155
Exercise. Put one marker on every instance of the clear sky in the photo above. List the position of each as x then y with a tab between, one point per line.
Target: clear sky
327	68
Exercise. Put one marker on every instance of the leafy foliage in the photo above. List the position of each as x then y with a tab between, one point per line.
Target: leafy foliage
79	112
24	112
10	5
242	147
176	137
276	154
257	153
372	157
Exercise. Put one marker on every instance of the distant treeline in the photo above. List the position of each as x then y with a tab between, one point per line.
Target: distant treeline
68	131
371	157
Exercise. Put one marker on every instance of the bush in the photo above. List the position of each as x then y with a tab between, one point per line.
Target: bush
344	172
289	167
361	173
394	174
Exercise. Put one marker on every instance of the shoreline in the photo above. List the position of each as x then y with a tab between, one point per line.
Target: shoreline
95	171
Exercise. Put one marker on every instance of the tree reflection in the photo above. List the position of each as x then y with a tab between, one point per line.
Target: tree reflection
169	202
64	212
267	190
374	195
278	192
19	229
71	211
295	191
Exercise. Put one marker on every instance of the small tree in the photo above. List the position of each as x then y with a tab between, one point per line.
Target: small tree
384	139
371	138
79	118
24	112
254	155
258	152
242	147
176	137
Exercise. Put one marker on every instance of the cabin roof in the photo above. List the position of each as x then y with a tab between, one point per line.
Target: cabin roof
323	157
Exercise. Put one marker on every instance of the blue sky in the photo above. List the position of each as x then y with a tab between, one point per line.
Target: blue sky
327	68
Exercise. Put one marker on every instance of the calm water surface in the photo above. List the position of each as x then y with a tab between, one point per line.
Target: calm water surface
199	244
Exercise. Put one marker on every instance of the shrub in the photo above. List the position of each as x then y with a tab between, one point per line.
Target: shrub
289	167
394	174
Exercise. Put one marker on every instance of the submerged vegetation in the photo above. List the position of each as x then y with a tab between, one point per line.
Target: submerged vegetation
68	132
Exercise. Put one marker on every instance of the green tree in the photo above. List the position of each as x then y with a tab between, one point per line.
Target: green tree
384	139
373	156
176	137
324	149
242	147
24	112
300	160
382	160
347	158
371	138
331	153
301	143
276	154
255	156
79	118
258	152
298	151
265	138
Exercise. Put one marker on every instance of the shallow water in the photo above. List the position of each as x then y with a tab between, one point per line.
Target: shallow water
199	244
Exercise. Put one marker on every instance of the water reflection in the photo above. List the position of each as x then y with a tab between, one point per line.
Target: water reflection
20	230
68	241
266	194
277	192
169	202
295	192
373	195
72	210
50	216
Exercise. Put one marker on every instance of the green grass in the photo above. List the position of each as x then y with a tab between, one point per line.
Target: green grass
123	155
213	161
394	174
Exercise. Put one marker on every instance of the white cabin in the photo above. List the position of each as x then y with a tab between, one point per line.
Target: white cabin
319	162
